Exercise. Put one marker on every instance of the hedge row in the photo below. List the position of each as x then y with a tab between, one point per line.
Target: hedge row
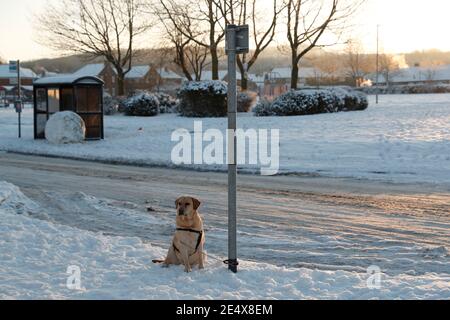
313	101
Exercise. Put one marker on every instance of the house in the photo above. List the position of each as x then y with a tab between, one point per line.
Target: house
103	71
223	76
415	76
278	80
8	82
139	78
168	81
151	78
207	75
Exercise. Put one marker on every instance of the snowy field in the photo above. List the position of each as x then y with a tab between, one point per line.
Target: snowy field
406	138
35	255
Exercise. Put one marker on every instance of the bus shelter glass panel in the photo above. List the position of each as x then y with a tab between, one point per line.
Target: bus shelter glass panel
41	121
53	100
41	100
88	99
67	101
93	125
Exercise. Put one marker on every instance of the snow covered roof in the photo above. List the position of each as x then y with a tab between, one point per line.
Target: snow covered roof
207	75
137	72
92	70
67	79
168	74
417	74
255	78
24	72
27	88
285	73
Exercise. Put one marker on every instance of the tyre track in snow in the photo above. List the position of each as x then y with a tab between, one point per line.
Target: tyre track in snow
312	222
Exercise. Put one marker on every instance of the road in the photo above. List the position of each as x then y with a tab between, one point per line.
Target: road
295	221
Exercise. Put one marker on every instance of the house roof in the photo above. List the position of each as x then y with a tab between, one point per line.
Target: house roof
68	79
137	72
285	73
8	88
168	74
24	72
207	75
92	70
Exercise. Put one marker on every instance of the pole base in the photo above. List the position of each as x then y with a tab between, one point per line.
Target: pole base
232	265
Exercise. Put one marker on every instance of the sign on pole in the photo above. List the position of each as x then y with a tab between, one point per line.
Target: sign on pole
236	42
13	67
18	106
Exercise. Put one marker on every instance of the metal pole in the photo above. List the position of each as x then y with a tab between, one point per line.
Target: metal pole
378	60
232	148
19	98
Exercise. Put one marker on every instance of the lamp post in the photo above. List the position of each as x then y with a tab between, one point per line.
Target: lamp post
378	60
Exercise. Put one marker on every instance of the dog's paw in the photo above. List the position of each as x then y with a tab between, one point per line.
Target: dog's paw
188	270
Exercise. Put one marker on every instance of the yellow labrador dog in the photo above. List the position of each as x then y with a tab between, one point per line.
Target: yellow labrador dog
189	240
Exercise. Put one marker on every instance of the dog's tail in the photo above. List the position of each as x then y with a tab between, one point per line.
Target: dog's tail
158	261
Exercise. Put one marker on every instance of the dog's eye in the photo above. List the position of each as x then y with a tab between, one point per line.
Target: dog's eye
187	204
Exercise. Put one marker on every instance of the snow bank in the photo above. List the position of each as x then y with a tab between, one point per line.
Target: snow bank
36	255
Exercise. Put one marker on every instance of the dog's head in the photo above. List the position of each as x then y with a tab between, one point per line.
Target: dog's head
187	206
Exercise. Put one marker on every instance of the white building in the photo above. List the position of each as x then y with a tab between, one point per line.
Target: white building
415	75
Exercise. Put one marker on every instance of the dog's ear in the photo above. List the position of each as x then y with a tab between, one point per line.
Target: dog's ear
176	202
196	203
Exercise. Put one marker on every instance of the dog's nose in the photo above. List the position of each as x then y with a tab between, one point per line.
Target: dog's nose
180	212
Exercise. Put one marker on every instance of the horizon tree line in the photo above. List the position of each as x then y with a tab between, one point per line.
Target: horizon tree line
193	31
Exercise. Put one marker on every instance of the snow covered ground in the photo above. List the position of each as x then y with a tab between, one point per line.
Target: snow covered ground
406	138
36	254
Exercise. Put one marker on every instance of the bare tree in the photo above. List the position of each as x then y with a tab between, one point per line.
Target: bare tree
197	57
388	67
98	28
189	55
307	22
251	12
201	22
328	66
357	63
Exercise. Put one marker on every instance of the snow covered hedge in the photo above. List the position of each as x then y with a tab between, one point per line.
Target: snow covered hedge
110	104
313	101
167	104
143	104
203	99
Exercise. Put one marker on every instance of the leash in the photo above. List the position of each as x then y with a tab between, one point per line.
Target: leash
233	263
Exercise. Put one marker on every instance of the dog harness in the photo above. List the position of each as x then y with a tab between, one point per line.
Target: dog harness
199	240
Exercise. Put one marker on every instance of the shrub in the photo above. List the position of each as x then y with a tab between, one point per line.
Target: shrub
262	108
313	101
167	104
142	104
245	101
203	99
350	99
110	105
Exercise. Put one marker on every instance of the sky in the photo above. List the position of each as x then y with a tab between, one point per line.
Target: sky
405	25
